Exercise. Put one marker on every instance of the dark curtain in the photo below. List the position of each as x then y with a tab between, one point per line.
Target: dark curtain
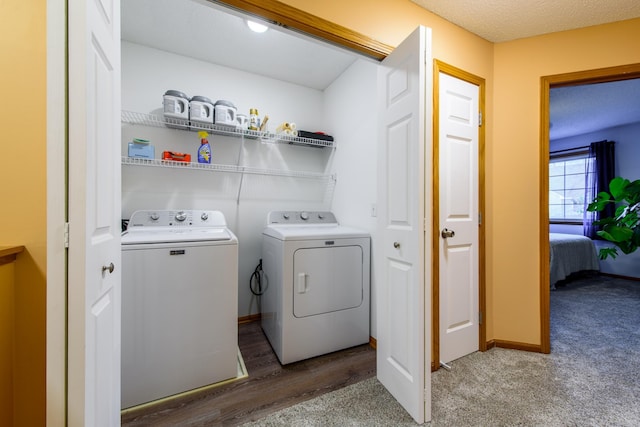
600	171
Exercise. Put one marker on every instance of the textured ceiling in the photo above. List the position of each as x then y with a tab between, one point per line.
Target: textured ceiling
504	20
574	110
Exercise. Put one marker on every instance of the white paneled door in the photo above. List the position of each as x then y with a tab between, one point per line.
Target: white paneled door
93	395
458	176
404	88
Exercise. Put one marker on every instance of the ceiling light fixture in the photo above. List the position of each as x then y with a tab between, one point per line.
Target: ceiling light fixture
257	27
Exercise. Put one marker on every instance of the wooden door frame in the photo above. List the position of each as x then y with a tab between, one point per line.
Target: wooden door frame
56	160
458	73
298	20
601	75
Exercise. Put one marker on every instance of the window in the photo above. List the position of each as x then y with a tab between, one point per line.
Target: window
567	181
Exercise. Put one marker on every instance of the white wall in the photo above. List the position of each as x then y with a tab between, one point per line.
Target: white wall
627	153
146	74
343	110
627	147
350	106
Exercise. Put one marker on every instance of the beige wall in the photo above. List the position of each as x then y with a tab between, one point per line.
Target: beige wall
23	176
511	133
516	141
512	72
390	22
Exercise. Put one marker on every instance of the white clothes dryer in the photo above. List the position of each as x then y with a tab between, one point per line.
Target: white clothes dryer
179	303
316	280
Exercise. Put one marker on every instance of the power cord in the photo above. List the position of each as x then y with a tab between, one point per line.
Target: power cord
255	281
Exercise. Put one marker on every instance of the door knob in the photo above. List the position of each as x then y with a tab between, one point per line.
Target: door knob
108	268
396	245
447	233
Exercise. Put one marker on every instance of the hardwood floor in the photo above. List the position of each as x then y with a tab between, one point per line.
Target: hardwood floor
268	388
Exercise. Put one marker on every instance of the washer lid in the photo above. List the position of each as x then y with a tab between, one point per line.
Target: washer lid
312	232
146	235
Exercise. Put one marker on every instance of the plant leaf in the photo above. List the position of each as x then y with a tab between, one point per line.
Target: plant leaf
630	220
602	199
605	221
633	192
614	233
620	211
617	187
608	252
622	229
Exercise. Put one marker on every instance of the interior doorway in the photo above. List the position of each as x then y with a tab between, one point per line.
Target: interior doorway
602	75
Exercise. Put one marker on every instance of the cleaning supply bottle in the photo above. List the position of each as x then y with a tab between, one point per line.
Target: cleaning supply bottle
204	151
253	119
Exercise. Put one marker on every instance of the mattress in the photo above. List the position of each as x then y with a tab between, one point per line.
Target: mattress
570	253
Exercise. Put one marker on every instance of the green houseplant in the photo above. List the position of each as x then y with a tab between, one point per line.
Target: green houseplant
623	228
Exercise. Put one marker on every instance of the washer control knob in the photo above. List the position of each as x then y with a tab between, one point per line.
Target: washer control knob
320	216
154	216
204	216
181	216
304	216
285	216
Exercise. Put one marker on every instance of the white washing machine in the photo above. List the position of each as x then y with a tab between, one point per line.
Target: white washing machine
316	282
179	303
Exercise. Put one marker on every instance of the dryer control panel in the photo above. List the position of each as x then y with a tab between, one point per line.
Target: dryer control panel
301	217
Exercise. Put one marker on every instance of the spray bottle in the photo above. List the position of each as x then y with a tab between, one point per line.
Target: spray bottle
204	151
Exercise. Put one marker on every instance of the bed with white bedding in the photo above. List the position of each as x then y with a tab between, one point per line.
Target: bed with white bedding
570	253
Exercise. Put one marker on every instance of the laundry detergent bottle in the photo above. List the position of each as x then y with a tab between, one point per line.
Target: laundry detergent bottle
204	151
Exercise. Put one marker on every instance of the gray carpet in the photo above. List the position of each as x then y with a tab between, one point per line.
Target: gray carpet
591	377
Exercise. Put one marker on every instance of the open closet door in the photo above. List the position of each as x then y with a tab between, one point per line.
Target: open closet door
93	330
404	153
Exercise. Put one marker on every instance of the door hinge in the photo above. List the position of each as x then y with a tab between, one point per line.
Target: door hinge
66	234
479	218
424	224
479	118
479	318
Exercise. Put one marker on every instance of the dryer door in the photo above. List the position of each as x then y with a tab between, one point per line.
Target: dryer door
327	279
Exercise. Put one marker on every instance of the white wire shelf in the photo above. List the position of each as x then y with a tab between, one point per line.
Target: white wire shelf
153	120
224	168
